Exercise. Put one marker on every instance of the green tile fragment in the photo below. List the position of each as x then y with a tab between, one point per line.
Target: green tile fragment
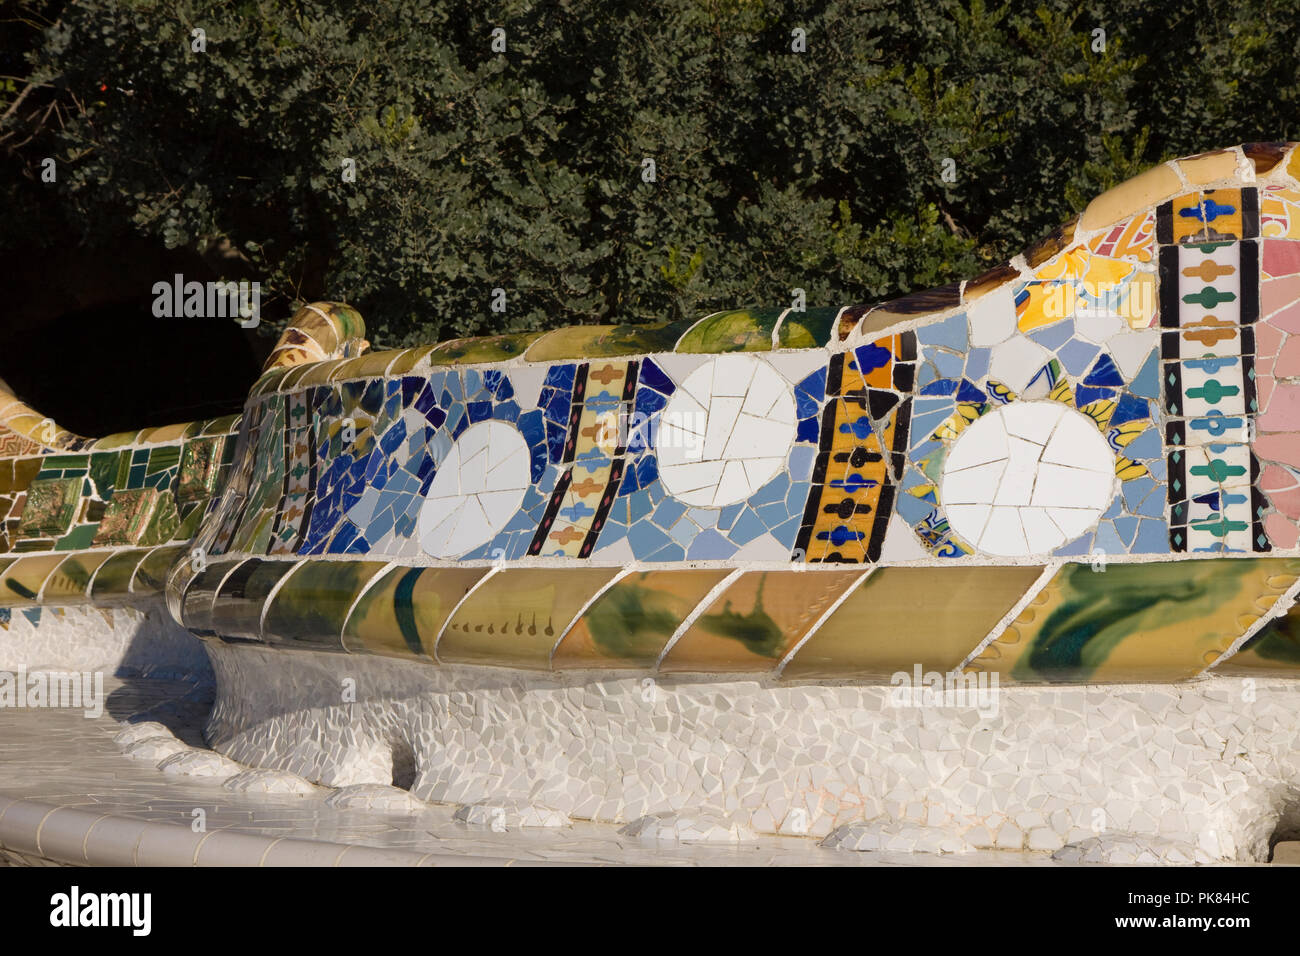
743	330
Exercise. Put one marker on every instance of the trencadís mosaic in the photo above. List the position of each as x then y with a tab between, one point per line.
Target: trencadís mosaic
1018	470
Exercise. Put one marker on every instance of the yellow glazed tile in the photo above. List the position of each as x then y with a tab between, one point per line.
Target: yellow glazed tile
1207	167
408	359
1188	225
483	350
151	573
294	378
269	382
1274	651
754	623
164	433
200	594
402	614
567	343
1138	307
1055	296
1134	239
1279	216
606	341
120	440
223	426
21	582
1152	187
629	625
17	474
370	365
236	608
321	373
902	617
112	580
38	428
515	618
311	606
70	581
1137	622
736	330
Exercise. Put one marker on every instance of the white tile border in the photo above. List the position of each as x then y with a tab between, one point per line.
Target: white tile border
84	837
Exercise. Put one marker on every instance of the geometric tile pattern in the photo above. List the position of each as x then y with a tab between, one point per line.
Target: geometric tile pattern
593	452
1209	281
863	437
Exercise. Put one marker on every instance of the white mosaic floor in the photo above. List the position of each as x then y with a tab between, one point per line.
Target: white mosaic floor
94	793
58	758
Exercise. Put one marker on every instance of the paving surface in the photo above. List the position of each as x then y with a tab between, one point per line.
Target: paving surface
52	759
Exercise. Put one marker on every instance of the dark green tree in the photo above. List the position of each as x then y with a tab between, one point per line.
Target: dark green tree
526	169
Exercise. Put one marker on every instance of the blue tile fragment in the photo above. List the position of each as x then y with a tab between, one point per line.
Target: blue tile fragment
747	528
950	333
1147	381
1152	537
1080	546
1053	336
1076	354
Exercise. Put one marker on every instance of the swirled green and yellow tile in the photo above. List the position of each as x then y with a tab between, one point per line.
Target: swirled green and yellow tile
812	328
629	625
240	600
1156	621
1273	651
151	574
902	617
477	351
310	608
756	620
402	614
201	592
741	330
606	341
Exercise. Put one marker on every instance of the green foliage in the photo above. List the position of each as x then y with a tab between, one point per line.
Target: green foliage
523	170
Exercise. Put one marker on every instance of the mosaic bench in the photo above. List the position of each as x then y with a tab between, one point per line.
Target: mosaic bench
832	493
1079	467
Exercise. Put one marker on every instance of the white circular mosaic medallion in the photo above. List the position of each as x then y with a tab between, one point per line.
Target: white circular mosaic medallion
476	491
1026	478
725	432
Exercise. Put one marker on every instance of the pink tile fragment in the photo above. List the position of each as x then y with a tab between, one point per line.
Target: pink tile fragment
1283	448
1287	502
1277	294
1281	533
1288	320
1283	412
1263	390
1281	257
1288	363
1268	339
1283	490
1276	478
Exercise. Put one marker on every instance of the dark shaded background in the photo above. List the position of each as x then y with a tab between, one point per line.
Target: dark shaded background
522	170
